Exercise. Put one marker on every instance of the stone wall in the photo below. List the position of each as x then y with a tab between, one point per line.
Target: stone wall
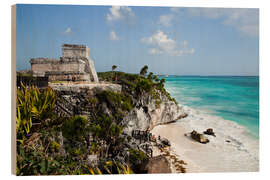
92	71
75	62
70	76
71	50
39	68
86	88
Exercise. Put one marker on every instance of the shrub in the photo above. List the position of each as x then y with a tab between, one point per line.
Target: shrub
55	147
116	100
144	85
34	162
105	129
75	128
137	158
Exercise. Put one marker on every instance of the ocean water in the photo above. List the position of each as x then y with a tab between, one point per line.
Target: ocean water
230	97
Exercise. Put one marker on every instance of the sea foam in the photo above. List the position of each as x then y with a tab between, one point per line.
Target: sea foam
238	136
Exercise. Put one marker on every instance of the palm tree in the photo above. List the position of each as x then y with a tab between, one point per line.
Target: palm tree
144	70
150	75
113	68
162	81
155	78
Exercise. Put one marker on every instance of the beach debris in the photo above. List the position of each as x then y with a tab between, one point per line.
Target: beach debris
178	164
199	137
182	162
228	141
209	131
165	142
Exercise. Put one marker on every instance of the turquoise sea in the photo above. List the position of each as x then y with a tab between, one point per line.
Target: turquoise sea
234	98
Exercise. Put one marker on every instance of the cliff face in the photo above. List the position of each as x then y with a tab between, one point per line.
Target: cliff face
146	115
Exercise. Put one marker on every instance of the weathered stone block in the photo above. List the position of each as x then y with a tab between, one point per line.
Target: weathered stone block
75	64
72	50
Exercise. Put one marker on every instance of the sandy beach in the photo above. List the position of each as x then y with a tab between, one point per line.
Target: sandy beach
232	150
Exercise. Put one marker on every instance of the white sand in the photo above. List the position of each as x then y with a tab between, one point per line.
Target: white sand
240	155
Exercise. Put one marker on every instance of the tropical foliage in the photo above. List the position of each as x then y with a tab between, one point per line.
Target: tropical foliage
49	143
33	108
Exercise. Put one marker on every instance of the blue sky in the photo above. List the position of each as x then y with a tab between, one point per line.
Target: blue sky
176	41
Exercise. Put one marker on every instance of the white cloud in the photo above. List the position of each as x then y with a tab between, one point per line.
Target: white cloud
244	20
67	31
166	20
119	13
161	44
113	36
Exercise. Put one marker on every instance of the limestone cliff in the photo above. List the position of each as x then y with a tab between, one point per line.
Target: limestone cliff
146	115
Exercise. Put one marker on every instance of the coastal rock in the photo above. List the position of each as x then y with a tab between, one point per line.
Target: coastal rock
145	116
165	142
209	131
199	137
158	164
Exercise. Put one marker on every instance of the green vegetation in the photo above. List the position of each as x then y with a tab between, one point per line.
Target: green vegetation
24	74
33	108
116	100
137	85
60	145
75	128
49	143
111	167
143	71
114	67
137	158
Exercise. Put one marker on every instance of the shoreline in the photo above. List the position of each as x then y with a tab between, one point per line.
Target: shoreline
233	149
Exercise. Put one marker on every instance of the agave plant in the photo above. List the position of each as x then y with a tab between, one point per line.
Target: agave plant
33	106
121	168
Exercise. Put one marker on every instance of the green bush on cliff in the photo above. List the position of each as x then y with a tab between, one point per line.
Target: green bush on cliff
36	162
140	84
104	128
115	100
136	159
144	85
75	128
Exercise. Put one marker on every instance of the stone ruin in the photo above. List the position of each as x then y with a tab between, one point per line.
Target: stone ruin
74	65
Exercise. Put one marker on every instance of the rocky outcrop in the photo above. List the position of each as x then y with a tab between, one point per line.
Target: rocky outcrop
210	131
74	98
199	137
158	164
146	115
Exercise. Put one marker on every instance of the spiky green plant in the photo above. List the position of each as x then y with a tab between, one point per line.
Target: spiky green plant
33	106
120	169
